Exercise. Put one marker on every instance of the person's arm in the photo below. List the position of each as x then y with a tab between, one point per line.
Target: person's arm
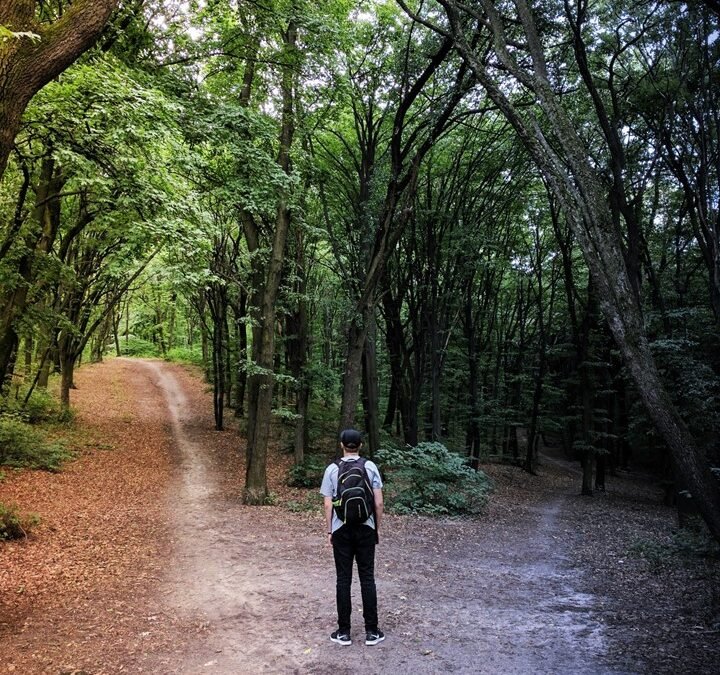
379	505
328	518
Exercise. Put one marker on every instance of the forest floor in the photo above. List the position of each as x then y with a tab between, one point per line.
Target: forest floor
147	562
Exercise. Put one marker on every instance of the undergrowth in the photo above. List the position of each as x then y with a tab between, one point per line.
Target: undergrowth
15	525
683	545
310	503
431	480
307	474
22	444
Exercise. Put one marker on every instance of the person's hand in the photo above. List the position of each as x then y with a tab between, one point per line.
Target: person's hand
329	538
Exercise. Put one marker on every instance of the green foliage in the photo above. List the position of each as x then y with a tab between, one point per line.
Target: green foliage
135	346
308	474
431	480
309	504
23	446
42	406
683	545
13	524
285	415
324	382
185	355
271	499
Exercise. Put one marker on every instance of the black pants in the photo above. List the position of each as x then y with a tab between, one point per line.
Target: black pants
355	542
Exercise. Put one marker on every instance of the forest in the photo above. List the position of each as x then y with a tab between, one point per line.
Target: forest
490	225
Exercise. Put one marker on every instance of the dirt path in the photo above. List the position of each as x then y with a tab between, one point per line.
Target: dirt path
217	587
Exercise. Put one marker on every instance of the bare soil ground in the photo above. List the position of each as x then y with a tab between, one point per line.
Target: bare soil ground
147	562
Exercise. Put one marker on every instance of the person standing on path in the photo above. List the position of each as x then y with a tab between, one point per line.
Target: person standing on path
354	540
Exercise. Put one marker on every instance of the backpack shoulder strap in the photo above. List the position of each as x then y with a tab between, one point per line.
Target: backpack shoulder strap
360	461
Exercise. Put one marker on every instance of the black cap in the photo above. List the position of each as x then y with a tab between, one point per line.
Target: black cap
351	438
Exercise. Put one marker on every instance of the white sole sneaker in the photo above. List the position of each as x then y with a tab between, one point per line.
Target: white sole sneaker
375	639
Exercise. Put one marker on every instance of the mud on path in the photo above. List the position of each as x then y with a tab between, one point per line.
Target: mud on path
203	584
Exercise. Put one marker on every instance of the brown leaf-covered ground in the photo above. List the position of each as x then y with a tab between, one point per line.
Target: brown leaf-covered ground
146	562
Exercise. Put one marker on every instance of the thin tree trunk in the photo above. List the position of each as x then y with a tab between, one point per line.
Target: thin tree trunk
370	392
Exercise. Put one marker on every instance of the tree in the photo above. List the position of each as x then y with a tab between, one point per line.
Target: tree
35	47
417	111
103	200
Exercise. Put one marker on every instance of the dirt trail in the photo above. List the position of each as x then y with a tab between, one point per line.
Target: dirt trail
461	598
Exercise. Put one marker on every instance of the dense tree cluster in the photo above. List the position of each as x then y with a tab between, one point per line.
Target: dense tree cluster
488	224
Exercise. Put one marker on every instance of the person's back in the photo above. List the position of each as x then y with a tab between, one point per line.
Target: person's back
352	490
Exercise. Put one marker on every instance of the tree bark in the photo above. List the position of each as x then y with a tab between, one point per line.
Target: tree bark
370	391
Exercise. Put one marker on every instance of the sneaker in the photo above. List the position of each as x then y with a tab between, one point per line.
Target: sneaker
341	638
372	637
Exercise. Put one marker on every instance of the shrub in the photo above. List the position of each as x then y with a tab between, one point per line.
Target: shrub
23	446
431	480
185	355
309	504
308	474
135	346
13	524
41	407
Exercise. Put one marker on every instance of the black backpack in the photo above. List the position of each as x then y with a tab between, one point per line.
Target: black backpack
355	501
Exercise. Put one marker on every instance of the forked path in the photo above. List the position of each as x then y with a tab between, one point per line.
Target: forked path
497	595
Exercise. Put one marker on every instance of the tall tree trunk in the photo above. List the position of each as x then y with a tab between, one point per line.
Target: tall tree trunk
262	383
241	330
394	341
297	347
67	369
588	451
352	377
436	357
218	358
